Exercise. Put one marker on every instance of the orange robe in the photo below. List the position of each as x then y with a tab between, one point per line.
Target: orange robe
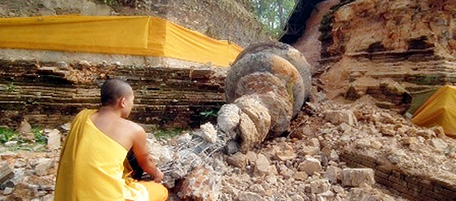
91	168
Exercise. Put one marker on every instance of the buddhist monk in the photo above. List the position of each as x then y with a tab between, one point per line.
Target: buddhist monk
92	167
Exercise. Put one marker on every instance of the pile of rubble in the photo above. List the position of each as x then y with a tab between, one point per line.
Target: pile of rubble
305	165
26	171
308	164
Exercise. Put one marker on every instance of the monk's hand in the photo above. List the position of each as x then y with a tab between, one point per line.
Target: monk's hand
158	175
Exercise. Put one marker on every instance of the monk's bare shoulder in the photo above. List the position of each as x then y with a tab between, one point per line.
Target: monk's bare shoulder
134	127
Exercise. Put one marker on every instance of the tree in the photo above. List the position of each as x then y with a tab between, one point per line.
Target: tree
273	14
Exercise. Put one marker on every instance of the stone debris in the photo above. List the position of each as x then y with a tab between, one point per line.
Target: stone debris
251	157
439	144
310	166
333	174
309	150
6	172
286	153
340	116
319	186
300	176
238	160
249	196
262	164
201	184
228	118
248	131
355	177
8	190
10	143
42	166
232	147
208	132
66	127
54	139
24	127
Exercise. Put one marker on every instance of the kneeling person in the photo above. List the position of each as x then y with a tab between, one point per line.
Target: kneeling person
92	159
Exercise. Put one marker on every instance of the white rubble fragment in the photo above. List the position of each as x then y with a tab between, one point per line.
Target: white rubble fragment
286	154
208	132
333	174
300	176
310	150
66	126
262	164
161	154
319	186
228	117
310	165
8	190
238	160
10	143
184	138
333	155
24	128
43	165
314	142
251	157
439	144
355	177
54	139
249	196
340	116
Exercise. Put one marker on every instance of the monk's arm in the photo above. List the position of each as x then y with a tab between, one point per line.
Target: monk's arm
145	160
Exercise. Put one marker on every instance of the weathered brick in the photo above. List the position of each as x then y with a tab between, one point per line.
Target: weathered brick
427	197
396	174
434	195
414	189
357	176
396	180
381	174
384	182
449	193
426	184
394	191
369	164
400	188
407	196
384	169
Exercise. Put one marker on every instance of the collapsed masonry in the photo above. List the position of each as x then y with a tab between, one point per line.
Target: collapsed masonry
194	163
265	88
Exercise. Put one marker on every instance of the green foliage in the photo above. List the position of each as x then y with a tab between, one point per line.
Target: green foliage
10	87
38	134
6	134
167	134
209	113
273	14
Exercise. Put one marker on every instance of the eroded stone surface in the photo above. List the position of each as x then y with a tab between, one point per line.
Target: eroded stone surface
357	176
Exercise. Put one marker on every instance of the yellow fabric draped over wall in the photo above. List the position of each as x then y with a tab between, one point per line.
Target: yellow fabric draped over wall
439	110
131	35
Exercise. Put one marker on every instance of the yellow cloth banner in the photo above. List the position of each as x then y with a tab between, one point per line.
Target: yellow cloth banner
439	110
131	35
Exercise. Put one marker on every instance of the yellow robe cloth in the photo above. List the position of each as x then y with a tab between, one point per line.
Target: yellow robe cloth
91	168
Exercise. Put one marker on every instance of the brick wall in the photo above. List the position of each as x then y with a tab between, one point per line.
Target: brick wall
49	94
401	182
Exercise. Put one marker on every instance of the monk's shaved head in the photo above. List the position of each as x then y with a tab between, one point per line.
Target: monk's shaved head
113	89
